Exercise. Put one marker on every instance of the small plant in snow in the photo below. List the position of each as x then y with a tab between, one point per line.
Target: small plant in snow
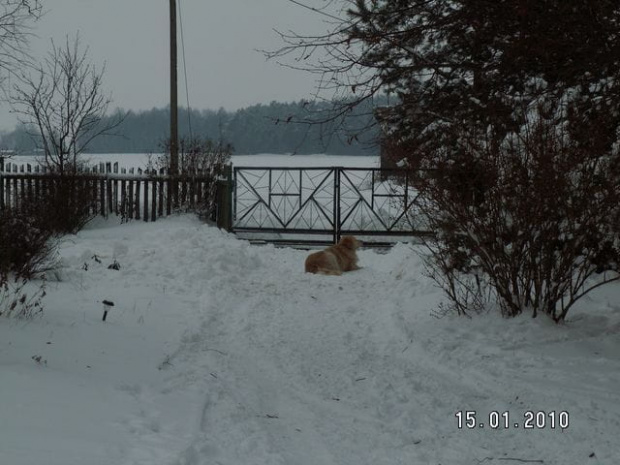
39	360
18	298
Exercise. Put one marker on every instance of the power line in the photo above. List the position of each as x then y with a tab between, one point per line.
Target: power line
316	10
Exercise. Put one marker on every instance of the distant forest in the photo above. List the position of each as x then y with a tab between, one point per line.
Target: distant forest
271	128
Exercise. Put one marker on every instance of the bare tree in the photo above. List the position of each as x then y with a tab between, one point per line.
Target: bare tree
63	103
15	16
344	77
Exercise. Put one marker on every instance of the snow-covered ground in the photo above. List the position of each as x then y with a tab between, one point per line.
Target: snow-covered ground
219	352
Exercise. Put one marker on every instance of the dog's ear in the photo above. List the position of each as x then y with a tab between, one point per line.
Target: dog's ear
350	242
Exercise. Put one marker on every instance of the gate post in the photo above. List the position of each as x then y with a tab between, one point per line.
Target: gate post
337	172
223	208
1	183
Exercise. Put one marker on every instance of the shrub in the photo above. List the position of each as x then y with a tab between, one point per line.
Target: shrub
25	251
25	244
531	224
197	158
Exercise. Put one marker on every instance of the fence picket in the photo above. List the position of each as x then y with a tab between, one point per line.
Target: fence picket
169	197
160	192
137	200
130	199
153	202
110	202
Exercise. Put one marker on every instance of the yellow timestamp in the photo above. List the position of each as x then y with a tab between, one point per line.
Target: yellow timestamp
470	419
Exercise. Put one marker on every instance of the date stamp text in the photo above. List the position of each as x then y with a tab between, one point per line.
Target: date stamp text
470	419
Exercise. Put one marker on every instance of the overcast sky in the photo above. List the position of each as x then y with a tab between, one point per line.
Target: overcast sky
221	37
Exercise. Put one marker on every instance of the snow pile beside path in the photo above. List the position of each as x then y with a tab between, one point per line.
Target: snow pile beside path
219	352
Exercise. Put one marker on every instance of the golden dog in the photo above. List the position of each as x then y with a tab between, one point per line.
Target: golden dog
336	259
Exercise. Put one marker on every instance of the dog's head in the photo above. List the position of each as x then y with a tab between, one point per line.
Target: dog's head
350	242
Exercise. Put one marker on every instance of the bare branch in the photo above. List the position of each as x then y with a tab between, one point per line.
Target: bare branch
15	31
62	103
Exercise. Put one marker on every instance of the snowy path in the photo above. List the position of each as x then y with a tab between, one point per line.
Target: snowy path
300	384
221	353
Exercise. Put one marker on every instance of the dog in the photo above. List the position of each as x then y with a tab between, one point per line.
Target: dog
336	259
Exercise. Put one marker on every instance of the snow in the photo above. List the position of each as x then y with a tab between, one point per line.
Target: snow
221	352
305	161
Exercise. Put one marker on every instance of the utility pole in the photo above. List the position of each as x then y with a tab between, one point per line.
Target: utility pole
174	105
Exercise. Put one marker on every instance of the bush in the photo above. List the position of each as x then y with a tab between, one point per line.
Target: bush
197	157
531	224
61	204
25	251
25	244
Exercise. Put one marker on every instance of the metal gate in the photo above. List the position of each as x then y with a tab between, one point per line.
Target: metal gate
323	204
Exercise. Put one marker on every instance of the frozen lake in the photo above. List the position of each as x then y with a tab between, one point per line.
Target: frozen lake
140	160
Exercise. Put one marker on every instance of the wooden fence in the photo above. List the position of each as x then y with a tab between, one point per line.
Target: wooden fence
131	193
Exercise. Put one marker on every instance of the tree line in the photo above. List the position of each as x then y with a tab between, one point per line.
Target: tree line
296	127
